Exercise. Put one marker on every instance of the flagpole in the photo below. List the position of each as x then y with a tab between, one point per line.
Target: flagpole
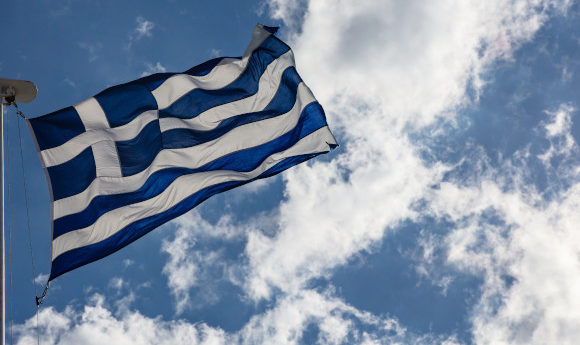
10	91
3	273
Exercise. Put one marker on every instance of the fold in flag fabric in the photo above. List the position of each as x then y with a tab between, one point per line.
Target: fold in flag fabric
137	155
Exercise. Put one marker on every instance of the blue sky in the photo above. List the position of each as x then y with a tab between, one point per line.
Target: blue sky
447	215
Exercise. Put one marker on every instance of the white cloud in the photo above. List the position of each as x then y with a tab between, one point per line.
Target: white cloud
198	227
289	11
382	70
144	28
530	265
117	283
69	82
561	122
41	279
181	269
128	262
95	324
213	53
523	243
151	69
337	322
257	185
427	256
285	323
189	267
558	133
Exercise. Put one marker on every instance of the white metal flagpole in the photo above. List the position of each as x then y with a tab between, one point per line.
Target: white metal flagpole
3	294
10	91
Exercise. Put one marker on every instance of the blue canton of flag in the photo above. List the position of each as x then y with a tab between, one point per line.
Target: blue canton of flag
137	155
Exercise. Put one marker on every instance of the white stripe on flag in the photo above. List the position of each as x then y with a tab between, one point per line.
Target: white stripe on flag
239	138
184	186
106	159
92	115
211	118
223	74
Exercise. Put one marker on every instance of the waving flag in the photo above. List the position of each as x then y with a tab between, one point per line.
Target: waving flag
139	154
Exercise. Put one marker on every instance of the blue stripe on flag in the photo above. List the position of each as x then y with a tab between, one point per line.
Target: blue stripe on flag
123	103
281	103
206	67
136	155
151	82
271	29
84	255
74	176
311	119
56	128
200	100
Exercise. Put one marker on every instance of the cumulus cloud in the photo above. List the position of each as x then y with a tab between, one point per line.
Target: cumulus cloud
96	324
189	267
402	66
397	68
335	323
181	269
523	243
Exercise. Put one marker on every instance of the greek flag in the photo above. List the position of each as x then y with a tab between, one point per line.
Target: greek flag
137	155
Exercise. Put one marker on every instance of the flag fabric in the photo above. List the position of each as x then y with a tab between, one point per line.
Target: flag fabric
137	155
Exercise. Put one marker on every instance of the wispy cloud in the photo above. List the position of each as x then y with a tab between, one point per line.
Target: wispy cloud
117	283
151	69
70	82
128	262
41	279
61	9
523	244
92	49
144	28
213	53
558	133
181	269
189	267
